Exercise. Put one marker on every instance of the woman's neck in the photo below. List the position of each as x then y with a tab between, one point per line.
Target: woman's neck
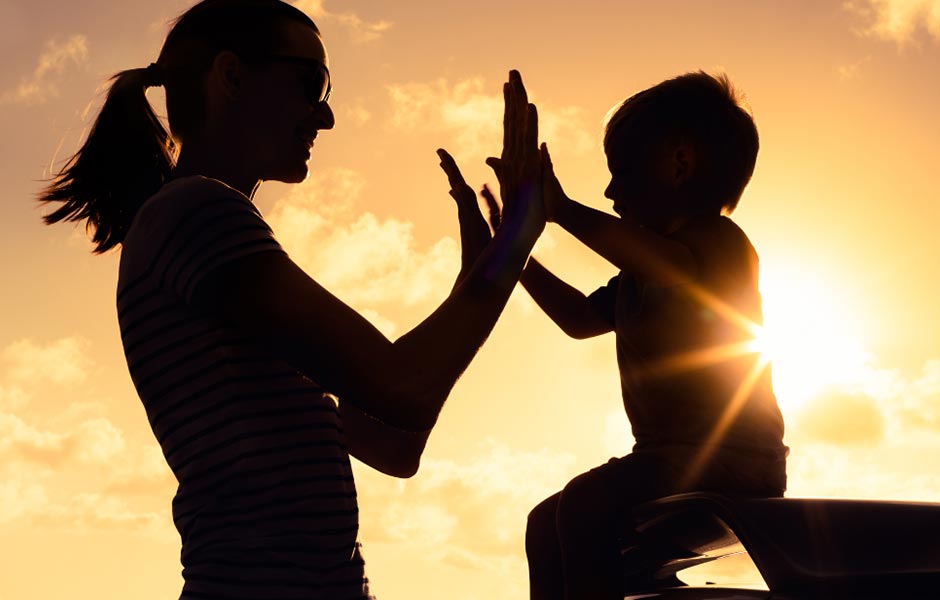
198	159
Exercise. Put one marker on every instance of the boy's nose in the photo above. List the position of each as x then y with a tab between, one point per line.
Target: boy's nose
609	191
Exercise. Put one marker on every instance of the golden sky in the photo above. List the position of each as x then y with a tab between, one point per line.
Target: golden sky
843	210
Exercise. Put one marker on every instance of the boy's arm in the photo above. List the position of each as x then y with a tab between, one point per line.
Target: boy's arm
565	305
627	246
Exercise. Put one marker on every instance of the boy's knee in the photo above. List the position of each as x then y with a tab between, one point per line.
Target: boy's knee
584	502
540	525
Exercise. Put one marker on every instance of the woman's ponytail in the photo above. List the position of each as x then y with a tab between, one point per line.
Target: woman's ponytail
125	159
129	154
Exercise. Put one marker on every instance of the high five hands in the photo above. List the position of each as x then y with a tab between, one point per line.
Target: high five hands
519	170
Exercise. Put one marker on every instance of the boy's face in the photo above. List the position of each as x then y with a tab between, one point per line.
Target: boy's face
648	180
637	185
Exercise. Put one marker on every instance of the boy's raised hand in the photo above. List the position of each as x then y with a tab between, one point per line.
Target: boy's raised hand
519	167
553	195
474	233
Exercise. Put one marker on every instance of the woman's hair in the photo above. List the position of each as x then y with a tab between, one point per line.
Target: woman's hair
704	110
128	154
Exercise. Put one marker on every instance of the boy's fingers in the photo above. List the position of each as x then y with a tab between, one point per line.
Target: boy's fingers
492	206
497	165
547	165
507	118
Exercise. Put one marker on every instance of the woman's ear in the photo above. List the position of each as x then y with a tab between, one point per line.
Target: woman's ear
226	75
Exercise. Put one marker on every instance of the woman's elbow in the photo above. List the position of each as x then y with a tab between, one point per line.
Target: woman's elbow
405	468
402	463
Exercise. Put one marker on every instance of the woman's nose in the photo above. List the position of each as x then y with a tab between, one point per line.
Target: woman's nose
323	113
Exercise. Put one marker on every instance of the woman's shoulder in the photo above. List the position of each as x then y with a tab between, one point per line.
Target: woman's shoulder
178	199
186	192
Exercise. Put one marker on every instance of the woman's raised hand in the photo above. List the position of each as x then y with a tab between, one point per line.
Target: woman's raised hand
474	232
519	167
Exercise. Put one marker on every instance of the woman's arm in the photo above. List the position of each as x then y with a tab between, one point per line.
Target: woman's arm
402	383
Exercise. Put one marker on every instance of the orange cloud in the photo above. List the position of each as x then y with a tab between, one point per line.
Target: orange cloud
841	418
467	514
64	361
41	84
360	30
375	265
471	110
898	20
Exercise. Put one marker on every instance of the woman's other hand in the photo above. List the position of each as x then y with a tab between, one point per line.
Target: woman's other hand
474	232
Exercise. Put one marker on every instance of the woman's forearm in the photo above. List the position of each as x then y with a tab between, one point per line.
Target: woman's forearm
432	356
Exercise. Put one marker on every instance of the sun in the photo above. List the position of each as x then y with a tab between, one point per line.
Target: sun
811	335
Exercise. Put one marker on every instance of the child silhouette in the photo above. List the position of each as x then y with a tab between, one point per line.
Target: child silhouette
684	308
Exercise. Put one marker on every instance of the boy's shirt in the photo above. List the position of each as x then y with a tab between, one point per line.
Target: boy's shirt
685	369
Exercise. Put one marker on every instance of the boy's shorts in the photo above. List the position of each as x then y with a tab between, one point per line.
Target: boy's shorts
646	475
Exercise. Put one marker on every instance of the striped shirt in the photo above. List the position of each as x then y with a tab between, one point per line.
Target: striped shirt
266	505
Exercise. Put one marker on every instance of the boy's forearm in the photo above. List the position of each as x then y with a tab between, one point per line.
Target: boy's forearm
628	247
563	303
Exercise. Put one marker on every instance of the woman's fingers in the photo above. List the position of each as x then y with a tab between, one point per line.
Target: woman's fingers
531	134
459	190
449	165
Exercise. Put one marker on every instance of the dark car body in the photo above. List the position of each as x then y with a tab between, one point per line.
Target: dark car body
804	548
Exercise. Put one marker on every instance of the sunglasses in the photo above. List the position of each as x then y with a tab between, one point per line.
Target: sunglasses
317	86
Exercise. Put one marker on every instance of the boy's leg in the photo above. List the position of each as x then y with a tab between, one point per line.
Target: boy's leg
593	510
586	528
544	552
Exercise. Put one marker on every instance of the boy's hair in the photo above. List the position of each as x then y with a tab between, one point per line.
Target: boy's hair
704	110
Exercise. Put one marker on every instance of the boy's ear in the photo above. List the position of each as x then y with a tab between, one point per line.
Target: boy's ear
683	162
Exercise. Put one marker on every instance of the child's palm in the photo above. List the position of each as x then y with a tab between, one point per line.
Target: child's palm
553	195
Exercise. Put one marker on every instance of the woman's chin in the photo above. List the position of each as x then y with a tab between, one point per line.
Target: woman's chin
295	174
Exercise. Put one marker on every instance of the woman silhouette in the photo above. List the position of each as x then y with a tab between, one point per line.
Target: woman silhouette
258	383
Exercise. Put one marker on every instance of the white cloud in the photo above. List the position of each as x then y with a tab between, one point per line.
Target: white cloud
19	438
469	514
93	442
19	499
360	30
375	265
72	468
358	114
41	84
13	397
98	441
842	418
64	361
852	70
897	20
472	114
94	511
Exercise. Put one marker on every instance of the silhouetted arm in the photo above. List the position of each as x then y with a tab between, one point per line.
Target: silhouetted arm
627	246
565	305
390	392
